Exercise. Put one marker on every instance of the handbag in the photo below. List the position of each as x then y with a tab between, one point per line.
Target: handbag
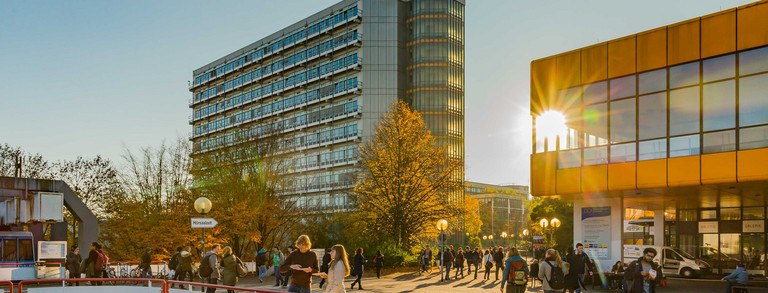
242	270
663	282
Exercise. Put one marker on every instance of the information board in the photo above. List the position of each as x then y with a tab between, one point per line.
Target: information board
51	250
596	225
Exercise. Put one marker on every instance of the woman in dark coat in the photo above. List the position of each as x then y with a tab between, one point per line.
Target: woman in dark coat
358	268
229	264
459	264
73	264
379	262
571	280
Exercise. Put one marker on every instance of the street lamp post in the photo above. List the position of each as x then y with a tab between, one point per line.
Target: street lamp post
504	236
525	235
551	226
441	226
203	206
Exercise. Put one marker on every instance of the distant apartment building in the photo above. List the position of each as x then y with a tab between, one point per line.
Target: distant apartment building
502	207
322	84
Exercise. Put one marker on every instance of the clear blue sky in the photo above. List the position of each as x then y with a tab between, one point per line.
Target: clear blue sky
88	77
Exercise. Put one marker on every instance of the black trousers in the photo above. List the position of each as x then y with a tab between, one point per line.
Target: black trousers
358	281
487	273
378	272
497	271
213	282
74	275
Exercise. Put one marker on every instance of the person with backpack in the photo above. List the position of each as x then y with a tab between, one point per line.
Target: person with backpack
261	263
72	264
184	267
378	261
642	275
146	264
488	263
94	264
552	272
515	273
232	267
498	258
303	263
174	263
459	264
209	269
278	258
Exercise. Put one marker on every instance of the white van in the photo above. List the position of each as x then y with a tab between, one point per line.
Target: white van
673	261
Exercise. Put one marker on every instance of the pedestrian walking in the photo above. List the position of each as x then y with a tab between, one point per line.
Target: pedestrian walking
427	259
378	262
448	259
72	263
551	272
229	264
89	266
468	259
184	267
261	263
324	265
302	263
337	270
278	258
477	256
642	274
146	264
571	280
515	273
498	259
287	276
173	264
488	263
358	268
459	262
209	267
580	266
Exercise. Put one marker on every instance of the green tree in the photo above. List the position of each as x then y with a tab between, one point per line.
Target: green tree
548	208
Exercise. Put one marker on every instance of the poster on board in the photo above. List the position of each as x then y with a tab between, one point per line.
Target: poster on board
596	225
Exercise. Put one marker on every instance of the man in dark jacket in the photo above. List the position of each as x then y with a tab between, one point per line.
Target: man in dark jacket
73	264
146	264
470	258
448	257
498	258
261	263
580	266
326	264
185	266
643	274
174	263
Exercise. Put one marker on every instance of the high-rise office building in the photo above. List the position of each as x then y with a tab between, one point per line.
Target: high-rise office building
323	83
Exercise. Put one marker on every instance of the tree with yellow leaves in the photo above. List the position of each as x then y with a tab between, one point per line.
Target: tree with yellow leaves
406	183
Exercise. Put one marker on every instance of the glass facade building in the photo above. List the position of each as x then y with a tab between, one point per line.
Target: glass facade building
670	121
322	84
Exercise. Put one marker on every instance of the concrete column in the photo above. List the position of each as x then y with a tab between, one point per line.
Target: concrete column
658	228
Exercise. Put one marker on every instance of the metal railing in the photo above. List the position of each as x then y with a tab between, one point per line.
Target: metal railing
9	284
163	285
241	289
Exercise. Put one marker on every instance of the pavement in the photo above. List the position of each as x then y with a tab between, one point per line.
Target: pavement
413	282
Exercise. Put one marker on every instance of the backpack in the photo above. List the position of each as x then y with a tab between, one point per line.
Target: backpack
205	266
517	274
557	279
101	261
174	261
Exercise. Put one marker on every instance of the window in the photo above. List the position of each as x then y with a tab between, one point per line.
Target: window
719	105
623	120
622	87
684	111
25	250
718	142
719	68
595	156
754	213
730	214
595	93
653	149
569	159
684	146
623	153
753	100
708	215
9	250
595	123
653	116
688	215
753	138
653	81
684	75
753	61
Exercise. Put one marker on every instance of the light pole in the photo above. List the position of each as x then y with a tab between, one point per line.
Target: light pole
203	206
441	226
525	236
504	236
551	226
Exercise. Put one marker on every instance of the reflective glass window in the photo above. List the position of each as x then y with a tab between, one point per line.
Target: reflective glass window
684	111
718	142
653	81
754	213
682	146
595	156
719	68
623	120
708	215
753	138
25	250
684	75
730	214
652	149
753	100
753	61
569	159
622	87
9	250
595	123
652	115
719	105
621	153
596	92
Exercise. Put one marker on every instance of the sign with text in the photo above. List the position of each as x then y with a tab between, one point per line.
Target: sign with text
754	226
51	250
596	223
203	223
708	227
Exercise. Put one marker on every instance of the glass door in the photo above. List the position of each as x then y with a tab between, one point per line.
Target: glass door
753	253
730	252
709	252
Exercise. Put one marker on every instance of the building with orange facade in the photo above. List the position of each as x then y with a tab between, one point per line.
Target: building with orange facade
661	138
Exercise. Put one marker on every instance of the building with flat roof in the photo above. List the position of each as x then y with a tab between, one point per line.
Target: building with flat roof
661	137
322	84
502	209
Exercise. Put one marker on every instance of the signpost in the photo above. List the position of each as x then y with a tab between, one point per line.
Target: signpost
203	223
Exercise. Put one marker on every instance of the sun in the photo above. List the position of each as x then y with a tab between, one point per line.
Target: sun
551	124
